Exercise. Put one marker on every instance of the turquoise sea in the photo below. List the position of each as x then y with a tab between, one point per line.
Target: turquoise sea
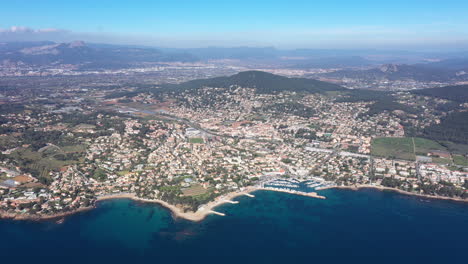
366	226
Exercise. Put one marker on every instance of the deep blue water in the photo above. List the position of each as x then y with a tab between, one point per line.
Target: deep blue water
365	226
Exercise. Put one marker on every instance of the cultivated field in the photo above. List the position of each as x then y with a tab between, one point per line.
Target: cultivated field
423	146
460	160
395	148
406	148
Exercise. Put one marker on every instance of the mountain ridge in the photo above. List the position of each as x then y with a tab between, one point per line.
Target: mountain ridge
84	56
392	72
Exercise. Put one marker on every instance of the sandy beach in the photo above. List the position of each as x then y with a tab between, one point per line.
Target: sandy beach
197	216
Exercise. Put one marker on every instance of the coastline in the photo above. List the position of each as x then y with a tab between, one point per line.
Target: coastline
29	217
176	212
311	194
208	208
383	188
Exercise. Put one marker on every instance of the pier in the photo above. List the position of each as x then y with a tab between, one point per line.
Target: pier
232	202
217	213
249	195
308	194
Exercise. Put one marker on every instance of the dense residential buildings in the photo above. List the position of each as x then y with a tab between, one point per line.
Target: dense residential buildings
63	149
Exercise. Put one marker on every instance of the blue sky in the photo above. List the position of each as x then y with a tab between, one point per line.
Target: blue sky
286	24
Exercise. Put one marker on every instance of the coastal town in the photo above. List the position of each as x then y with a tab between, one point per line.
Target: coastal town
62	151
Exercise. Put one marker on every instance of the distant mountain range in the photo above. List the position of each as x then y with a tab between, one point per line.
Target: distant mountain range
263	82
106	56
315	58
83	55
237	53
457	64
335	62
438	72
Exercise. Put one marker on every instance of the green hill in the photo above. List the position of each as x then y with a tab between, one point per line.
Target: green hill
453	127
457	93
263	82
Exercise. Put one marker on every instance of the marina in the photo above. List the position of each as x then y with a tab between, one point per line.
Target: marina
304	186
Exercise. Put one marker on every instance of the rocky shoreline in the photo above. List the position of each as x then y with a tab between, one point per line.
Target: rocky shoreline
30	217
383	188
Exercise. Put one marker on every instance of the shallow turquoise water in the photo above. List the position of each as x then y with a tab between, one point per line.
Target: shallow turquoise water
364	226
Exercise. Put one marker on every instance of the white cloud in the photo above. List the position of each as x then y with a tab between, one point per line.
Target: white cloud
21	29
17	29
21	33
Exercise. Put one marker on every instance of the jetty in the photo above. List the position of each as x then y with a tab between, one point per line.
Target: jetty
232	202
308	194
216	213
249	195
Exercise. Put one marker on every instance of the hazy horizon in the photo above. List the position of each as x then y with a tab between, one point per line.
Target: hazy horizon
418	25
